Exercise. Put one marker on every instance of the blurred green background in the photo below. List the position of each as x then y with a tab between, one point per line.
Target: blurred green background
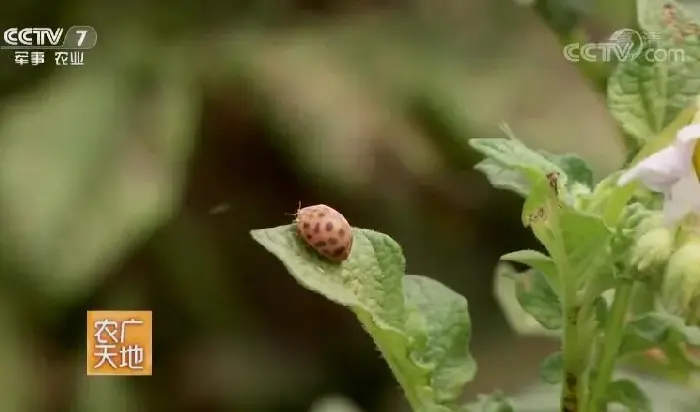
132	183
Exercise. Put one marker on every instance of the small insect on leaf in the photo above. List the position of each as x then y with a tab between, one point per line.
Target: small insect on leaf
326	230
553	179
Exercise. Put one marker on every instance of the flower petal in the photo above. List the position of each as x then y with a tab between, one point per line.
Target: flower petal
688	133
683	198
658	171
686	142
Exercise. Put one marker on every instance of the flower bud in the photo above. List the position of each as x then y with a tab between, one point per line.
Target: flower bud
653	248
637	219
632	222
642	241
681	286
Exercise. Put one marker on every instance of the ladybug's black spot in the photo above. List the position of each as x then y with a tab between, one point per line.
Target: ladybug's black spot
341	233
332	241
309	237
320	244
339	251
321	215
307	225
329	226
317	227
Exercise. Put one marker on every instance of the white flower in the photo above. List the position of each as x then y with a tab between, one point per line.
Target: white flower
671	171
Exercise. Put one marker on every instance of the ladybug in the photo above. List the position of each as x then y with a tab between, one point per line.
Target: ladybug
326	230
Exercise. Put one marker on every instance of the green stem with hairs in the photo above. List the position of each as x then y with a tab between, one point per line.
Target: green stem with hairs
611	344
574	356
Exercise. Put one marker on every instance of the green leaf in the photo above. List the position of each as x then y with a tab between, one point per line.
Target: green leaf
578	242
426	345
339	282
494	402
501	177
609	200
511	165
657	328
575	168
441	334
538	261
636	98
537	298
627	393
552	368
541	202
666	332
505	291
644	94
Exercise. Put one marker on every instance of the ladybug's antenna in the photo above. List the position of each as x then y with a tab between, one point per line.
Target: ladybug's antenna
295	213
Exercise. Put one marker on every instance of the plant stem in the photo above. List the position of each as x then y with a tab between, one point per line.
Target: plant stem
611	344
411	396
575	349
573	365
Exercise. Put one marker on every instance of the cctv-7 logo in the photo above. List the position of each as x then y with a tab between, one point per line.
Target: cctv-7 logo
81	36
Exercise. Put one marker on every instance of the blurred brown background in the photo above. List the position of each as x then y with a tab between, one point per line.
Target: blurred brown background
133	182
